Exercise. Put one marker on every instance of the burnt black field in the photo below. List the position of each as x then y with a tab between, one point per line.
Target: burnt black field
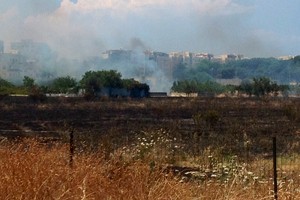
196	122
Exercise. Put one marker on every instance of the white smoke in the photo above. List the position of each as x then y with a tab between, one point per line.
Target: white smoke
87	27
77	29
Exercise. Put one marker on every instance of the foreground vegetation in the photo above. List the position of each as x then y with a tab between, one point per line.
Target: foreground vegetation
282	71
92	82
258	87
153	148
30	170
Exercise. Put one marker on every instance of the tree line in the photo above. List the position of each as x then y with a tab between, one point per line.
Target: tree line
282	71
91	83
260	86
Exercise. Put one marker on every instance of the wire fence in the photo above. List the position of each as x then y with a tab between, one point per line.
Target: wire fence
209	156
215	138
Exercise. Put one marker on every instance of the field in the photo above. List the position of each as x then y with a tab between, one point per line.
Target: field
156	148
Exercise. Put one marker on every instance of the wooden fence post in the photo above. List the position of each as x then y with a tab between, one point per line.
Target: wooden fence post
72	148
275	168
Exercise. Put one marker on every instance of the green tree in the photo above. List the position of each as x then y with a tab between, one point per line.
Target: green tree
28	82
129	83
93	81
262	86
111	78
6	87
296	59
205	88
228	73
64	84
5	83
246	87
184	86
211	88
90	82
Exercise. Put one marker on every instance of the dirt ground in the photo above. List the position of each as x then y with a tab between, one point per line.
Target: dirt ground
187	118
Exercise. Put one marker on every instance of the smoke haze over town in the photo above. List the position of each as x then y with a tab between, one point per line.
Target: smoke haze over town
77	29
86	27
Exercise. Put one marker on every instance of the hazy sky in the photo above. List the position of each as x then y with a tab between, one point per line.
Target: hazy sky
255	28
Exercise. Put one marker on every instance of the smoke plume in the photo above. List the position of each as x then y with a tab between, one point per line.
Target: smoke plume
78	30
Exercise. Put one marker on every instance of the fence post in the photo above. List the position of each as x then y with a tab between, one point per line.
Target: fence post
72	148
275	168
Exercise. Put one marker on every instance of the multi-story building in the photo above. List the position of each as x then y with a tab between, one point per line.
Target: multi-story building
11	65
285	57
117	55
188	58
185	58
25	58
228	57
33	51
198	57
165	64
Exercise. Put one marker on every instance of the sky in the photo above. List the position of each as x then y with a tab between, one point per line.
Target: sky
79	28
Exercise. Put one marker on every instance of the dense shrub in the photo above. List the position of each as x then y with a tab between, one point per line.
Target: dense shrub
37	95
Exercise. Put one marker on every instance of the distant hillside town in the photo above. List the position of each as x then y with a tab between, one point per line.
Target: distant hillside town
25	58
158	69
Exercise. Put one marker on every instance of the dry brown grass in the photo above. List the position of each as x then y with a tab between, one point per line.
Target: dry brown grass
132	135
30	170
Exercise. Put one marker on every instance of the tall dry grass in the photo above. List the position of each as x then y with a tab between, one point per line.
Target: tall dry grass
30	170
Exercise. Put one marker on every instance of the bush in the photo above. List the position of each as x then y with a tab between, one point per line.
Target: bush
261	86
36	95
